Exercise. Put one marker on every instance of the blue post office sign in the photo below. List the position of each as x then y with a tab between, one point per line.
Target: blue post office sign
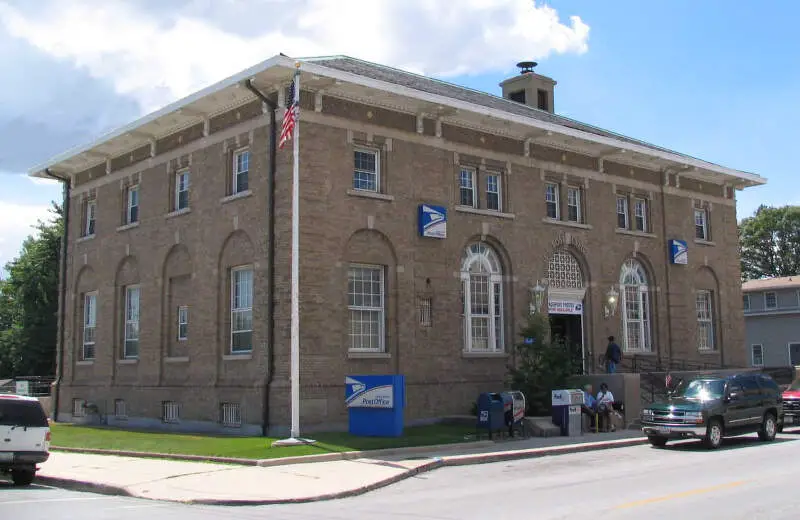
432	221
369	392
375	404
678	252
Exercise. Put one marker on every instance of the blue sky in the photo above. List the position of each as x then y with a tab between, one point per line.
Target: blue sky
714	79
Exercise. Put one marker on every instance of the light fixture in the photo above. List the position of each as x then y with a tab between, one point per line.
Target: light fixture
537	294
612	297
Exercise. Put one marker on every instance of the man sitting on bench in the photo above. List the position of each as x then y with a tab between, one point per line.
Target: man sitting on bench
605	405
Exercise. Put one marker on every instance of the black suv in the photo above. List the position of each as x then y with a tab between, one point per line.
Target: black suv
713	407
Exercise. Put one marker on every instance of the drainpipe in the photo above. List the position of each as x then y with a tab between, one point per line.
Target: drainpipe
270	254
62	290
667	270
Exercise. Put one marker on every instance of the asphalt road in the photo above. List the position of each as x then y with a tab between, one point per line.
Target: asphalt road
746	479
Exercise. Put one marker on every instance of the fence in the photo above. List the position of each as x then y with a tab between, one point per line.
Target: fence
34	386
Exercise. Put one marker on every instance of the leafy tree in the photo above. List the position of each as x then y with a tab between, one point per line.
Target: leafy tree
543	365
29	303
769	242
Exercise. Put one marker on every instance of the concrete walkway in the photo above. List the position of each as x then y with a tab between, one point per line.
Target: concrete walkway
226	484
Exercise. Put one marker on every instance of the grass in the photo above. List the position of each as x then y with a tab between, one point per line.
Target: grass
70	436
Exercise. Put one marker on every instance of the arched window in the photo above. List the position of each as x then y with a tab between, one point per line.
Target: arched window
564	271
636	316
482	280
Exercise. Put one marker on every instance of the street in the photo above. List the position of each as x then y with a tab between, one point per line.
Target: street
745	479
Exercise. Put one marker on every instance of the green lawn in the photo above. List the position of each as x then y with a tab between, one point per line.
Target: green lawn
69	436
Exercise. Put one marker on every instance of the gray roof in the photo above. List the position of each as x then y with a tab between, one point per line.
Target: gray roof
450	90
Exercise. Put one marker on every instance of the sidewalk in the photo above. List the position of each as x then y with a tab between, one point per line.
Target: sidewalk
226	484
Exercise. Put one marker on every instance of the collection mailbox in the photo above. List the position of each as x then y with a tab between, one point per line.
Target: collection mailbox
500	411
567	411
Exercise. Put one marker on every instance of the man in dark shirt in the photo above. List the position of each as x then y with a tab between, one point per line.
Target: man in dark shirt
613	356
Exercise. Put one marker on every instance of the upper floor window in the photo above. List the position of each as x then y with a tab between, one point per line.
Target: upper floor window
574	209
91	213
493	191
746	302
700	224
132	205
770	300
366	170
466	187
551	200
241	171
182	190
640	215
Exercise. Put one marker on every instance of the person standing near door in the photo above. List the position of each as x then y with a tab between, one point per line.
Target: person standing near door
613	355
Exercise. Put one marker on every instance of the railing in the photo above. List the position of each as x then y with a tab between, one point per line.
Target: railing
38	386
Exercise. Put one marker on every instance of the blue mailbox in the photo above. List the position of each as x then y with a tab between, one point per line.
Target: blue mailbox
375	405
491	413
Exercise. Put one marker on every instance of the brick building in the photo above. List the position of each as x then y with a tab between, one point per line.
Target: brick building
177	308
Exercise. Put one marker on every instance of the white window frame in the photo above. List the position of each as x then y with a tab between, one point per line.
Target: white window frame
497	191
703	214
556	200
180	189
183	321
766	299
91	218
577	203
625	212
706	334
376	173
466	185
488	263
131	321
357	310
78	408
89	325
746	298
640	206
246	308
241	152
133	193
753	354
641	305
120	409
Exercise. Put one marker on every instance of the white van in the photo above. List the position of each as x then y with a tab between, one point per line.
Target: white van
24	437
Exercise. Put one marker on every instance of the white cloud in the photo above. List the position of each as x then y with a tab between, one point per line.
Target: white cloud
17	222
158	56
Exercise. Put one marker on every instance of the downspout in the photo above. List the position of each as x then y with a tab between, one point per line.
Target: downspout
270	255
667	270
62	289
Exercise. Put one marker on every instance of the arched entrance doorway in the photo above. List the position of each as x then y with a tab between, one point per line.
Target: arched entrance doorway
566	289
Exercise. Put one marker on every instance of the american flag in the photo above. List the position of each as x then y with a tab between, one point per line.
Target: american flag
289	118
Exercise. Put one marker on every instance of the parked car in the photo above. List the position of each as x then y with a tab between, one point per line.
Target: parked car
714	407
791	405
24	437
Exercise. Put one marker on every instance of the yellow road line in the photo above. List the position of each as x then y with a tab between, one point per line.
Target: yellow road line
682	494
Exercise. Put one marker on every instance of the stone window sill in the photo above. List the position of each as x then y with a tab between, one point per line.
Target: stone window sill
236	196
485	212
479	354
704	242
370	195
708	352
566	223
178	212
128	361
85	238
128	226
368	355
635	233
85	363
181	359
244	356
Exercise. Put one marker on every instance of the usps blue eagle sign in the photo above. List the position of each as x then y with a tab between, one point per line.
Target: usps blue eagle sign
432	221
678	252
369	392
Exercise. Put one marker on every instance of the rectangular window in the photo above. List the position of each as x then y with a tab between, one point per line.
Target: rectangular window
132	208
746	302
705	321
365	303
466	184
241	171
551	200
574	213
241	310
640	215
425	307
622	212
170	412
700	224
182	190
770	300
493	191
78	408
230	415
365	170
89	325
120	409
183	323
757	355
91	212
541	100
131	347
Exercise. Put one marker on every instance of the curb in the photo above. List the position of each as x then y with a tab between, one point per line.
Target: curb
436	463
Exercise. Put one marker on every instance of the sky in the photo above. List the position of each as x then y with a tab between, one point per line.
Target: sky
714	79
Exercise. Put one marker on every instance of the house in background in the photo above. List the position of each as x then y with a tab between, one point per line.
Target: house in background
772	321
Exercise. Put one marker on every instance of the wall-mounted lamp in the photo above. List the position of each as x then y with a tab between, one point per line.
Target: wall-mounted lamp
612	297
537	295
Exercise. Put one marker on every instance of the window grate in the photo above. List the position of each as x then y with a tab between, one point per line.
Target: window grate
425	306
564	271
120	409
231	415
170	412
78	408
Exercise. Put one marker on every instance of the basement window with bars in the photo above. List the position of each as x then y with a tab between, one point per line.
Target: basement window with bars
170	412
78	408
120	409
231	415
